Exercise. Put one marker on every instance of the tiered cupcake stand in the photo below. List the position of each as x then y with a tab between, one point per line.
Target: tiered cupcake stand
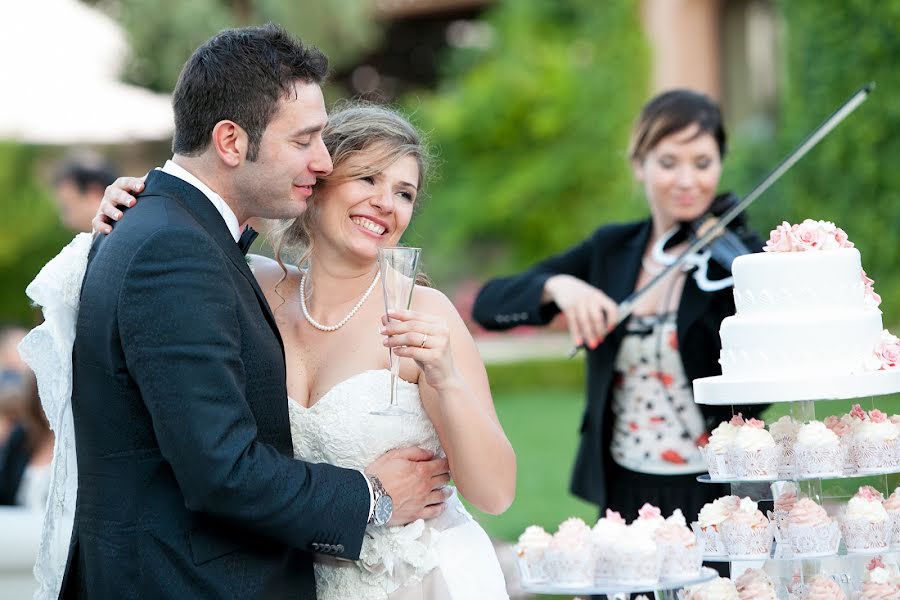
844	567
663	590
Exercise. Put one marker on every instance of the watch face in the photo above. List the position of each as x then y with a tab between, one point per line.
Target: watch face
384	508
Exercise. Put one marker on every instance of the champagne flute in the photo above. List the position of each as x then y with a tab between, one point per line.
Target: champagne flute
398	267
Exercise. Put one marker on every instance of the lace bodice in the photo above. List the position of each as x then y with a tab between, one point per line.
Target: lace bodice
339	429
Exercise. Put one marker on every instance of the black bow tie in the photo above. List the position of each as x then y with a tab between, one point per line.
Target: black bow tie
246	240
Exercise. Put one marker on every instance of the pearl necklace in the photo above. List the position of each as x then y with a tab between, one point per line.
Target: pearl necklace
343	321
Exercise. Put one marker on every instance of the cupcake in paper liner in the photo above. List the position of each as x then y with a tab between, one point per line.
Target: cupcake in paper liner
747	533
782	508
606	535
880	582
636	561
753	453
892	506
680	552
822	587
811	532
569	558
716	449
784	432
708	525
818	452
755	584
865	524
530	549
873	446
721	588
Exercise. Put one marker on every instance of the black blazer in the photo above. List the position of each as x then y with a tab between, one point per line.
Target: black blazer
186	483
610	260
14	458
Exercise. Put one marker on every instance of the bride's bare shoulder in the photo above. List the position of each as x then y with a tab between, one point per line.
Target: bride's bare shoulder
274	280
433	300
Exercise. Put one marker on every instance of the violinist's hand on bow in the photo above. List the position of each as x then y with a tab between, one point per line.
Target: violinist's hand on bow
590	313
119	193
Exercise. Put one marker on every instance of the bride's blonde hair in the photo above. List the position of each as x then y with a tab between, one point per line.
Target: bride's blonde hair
355	127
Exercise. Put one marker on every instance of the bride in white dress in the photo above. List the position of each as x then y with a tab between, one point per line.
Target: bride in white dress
336	344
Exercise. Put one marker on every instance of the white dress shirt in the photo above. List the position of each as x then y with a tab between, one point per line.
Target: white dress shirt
180	172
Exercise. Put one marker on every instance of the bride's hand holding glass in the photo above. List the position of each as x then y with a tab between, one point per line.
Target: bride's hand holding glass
424	338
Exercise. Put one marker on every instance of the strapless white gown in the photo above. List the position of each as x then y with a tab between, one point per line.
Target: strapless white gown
446	558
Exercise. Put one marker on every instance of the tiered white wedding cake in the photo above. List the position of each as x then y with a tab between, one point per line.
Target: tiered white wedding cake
806	312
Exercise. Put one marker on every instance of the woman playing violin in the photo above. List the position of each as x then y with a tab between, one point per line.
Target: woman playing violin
641	429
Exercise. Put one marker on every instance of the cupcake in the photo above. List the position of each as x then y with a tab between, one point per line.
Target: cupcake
606	535
865	522
531	547
817	452
716	450
753	453
708	526
822	587
873	445
811	532
682	554
755	584
649	519
636	560
783	505
746	533
879	582
569	558
892	506
717	589
784	432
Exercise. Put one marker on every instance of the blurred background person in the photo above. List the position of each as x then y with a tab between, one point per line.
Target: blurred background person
641	429
26	449
79	183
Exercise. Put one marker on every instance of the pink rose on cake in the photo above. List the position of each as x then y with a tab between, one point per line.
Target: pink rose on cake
887	351
780	239
871	298
812	235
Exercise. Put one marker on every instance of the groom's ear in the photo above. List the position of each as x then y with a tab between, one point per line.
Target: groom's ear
230	142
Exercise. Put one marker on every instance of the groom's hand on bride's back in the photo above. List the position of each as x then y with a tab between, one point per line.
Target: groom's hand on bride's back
120	193
415	480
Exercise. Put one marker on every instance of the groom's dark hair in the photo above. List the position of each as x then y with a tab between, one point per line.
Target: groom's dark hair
240	75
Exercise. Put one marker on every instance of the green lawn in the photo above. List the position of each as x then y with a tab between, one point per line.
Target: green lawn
542	426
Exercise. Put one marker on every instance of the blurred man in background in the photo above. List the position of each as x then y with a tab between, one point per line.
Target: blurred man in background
79	184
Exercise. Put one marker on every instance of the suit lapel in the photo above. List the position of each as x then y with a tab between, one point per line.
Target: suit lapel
622	266
209	218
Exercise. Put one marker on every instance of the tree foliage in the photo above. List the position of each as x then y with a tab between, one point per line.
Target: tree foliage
531	135
164	33
830	50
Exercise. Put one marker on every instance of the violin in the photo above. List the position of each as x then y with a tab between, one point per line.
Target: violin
723	249
710	231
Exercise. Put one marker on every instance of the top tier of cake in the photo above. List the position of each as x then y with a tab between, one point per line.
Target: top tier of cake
799	314
770	283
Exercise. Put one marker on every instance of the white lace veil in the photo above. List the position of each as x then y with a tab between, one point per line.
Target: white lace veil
48	351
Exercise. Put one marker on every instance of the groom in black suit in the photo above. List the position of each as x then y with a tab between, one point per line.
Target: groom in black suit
187	487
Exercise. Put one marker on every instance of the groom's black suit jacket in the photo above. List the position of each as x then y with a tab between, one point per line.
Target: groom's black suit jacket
186	483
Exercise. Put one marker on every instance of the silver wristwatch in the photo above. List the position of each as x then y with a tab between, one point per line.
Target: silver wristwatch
384	505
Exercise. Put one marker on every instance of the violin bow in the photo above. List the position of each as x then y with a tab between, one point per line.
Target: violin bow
713	227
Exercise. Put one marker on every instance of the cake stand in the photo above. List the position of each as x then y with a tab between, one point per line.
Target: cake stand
663	590
802	393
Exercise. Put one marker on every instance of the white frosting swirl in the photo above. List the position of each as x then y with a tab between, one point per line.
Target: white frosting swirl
722	437
534	536
869	431
785	427
869	510
752	439
816	435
